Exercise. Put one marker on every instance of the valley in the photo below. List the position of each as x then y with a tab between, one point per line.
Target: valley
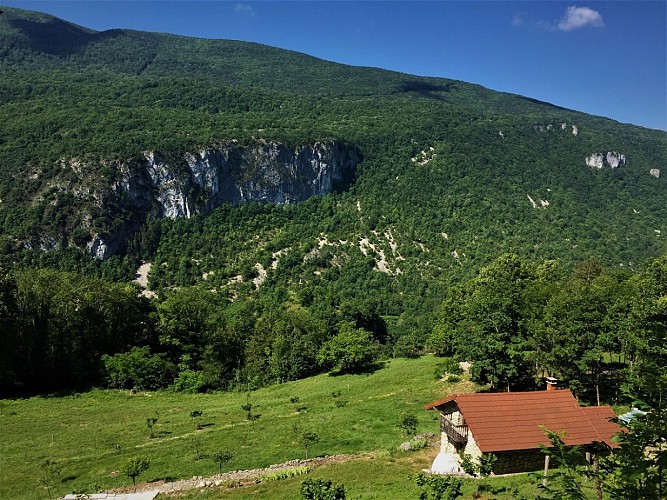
215	248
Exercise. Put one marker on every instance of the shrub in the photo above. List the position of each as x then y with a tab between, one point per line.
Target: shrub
350	350
319	489
440	342
138	369
189	381
408	346
447	366
436	487
408	424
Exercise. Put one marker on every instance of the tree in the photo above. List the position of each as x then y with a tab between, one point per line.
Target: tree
577	328
646	379
10	358
195	441
350	350
187	321
138	369
150	423
50	474
485	317
308	439
565	483
221	458
196	416
134	467
636	471
486	463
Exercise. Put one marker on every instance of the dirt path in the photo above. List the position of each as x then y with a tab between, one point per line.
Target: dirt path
239	477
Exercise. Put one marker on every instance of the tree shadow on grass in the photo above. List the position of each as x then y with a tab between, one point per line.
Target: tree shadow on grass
426	89
166	479
361	370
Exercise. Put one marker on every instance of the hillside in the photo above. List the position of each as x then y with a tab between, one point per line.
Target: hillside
91	435
308	195
79	105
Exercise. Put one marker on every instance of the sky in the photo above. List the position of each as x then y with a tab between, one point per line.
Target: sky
607	58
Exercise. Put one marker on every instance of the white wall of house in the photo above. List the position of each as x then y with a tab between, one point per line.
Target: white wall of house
471	448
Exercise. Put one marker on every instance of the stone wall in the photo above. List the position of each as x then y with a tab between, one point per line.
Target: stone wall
511	462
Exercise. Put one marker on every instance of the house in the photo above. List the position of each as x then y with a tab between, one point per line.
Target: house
511	426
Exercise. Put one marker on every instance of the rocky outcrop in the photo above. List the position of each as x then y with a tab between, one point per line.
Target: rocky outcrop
198	182
655	172
611	159
229	173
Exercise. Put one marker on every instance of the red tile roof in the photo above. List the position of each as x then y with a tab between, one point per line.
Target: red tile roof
515	420
600	417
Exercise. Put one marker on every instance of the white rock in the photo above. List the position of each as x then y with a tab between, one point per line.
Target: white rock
595	160
615	160
532	202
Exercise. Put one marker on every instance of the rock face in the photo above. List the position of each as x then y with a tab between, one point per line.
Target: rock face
198	182
610	159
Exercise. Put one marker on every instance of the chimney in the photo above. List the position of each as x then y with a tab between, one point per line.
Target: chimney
552	383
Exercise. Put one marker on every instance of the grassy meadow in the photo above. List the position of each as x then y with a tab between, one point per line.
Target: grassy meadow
90	435
382	478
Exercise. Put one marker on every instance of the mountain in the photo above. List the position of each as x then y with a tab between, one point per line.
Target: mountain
120	146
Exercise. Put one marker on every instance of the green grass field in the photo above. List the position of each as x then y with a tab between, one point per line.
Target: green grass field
388	477
90	435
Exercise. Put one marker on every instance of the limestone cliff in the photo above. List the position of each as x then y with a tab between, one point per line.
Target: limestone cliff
611	159
198	182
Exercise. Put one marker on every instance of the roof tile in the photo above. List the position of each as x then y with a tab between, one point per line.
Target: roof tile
517	420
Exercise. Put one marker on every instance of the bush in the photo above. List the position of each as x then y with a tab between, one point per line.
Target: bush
436	487
408	346
189	381
408	424
319	489
138	369
440	341
350	350
483	467
447	366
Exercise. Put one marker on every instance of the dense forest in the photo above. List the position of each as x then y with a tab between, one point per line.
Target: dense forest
516	320
476	226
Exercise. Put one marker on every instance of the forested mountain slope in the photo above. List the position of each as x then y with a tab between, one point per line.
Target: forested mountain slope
117	147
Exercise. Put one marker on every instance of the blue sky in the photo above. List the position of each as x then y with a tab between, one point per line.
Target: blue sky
604	58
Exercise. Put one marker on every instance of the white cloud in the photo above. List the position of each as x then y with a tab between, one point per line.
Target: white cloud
580	17
244	8
518	20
